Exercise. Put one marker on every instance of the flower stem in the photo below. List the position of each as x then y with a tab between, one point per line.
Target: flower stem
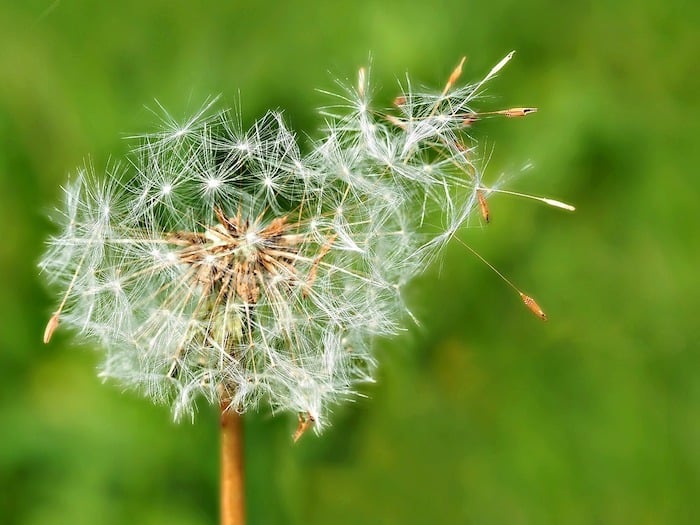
232	486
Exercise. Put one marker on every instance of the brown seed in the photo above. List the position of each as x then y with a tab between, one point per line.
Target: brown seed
399	101
305	422
483	205
395	121
533	306
454	76
51	327
516	112
314	268
469	119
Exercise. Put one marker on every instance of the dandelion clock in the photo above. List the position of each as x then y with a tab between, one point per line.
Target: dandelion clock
249	269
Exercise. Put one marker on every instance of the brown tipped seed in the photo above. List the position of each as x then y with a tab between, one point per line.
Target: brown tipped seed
399	101
533	306
395	121
516	112
454	76
51	327
483	205
469	119
305	422
314	268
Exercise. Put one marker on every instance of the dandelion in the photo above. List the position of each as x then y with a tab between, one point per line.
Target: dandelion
228	264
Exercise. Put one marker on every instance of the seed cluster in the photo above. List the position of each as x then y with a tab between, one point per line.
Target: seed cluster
236	258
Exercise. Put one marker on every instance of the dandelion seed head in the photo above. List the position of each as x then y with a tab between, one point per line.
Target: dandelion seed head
224	263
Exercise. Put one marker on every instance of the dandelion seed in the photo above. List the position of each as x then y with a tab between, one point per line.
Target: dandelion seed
483	206
517	112
533	306
550	202
50	328
361	81
305	422
454	76
526	299
558	204
494	70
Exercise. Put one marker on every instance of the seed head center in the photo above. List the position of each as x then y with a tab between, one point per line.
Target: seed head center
237	258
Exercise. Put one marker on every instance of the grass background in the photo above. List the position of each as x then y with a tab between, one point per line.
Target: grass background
482	416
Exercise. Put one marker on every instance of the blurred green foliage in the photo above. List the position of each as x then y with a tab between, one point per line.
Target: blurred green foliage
483	415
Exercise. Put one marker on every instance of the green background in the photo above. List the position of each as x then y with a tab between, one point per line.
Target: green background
484	415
